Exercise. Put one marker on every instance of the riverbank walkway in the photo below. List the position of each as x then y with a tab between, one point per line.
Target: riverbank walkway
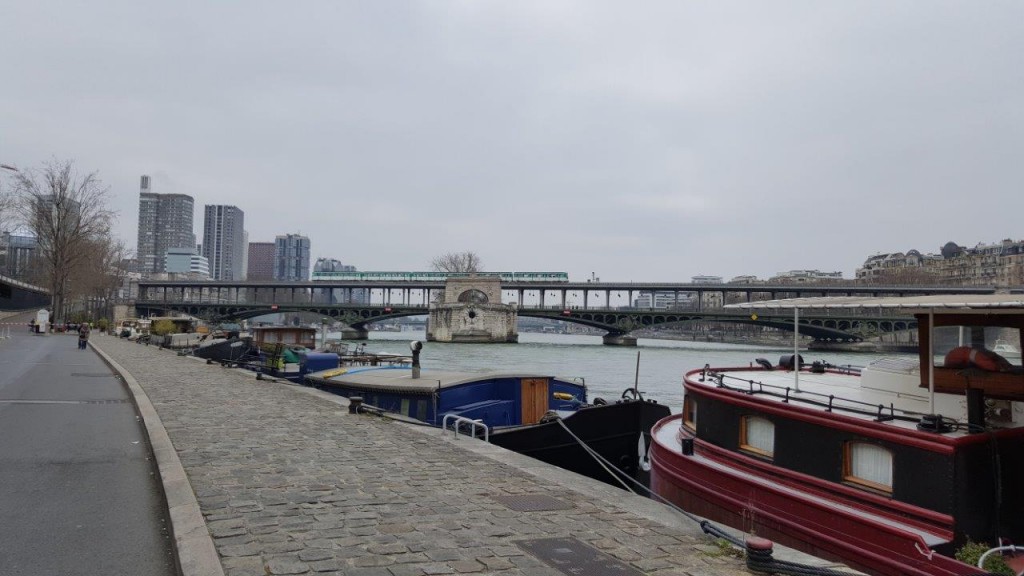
266	477
288	482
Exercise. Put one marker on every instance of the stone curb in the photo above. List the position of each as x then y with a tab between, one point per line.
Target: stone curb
193	545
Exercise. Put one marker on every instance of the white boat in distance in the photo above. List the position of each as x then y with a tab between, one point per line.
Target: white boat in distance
1005	349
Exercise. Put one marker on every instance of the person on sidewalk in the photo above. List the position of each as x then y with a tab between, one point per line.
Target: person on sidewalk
83	336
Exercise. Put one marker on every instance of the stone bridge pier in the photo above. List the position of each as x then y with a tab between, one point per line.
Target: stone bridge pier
619	340
470	310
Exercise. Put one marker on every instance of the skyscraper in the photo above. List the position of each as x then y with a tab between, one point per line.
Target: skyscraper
224	243
165	221
261	261
291	258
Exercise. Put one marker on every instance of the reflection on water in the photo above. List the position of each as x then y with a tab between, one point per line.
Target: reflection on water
607	370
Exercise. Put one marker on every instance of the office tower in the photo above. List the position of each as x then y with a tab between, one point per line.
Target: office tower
165	221
261	261
224	242
291	258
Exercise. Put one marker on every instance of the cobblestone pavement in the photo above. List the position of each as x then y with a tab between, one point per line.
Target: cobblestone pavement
290	483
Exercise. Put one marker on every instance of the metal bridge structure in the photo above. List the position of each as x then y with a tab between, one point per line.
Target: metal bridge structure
359	304
617	322
17	295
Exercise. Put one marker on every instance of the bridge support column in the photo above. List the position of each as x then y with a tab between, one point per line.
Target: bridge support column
618	340
349	333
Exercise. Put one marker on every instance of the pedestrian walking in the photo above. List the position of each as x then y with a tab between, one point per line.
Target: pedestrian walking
83	336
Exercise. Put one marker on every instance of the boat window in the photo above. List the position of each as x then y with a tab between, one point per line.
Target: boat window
690	413
757	435
868	465
995	348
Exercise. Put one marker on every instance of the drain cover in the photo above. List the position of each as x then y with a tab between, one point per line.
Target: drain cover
570	556
532	503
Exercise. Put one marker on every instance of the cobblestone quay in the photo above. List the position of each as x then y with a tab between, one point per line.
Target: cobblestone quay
290	483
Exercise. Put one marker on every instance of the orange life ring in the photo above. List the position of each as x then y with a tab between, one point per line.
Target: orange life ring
965	356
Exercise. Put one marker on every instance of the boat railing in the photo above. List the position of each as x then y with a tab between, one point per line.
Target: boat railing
463	421
830	402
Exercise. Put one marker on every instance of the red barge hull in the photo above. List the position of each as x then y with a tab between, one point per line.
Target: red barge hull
798	512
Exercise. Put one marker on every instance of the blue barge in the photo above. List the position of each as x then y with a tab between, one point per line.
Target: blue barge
541	416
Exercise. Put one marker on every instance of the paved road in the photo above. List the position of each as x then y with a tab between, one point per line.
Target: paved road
77	490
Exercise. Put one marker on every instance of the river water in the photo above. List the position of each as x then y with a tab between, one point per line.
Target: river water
606	370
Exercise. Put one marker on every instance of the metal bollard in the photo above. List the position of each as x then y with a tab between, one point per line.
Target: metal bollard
355	403
759	554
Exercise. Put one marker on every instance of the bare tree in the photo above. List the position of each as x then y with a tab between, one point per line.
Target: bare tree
98	276
67	215
457	262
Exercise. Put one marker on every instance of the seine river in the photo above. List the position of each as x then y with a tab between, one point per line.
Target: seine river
607	370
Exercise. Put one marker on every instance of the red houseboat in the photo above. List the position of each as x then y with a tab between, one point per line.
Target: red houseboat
889	468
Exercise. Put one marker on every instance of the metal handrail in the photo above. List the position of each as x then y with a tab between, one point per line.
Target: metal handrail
828	401
463	420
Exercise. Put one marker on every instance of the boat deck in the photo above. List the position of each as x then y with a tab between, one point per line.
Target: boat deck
400	379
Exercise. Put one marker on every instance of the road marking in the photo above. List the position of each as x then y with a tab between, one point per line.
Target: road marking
63	401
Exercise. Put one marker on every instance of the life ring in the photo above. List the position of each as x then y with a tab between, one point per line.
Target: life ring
965	356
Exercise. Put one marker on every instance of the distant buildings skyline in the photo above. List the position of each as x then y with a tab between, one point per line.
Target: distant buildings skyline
166	223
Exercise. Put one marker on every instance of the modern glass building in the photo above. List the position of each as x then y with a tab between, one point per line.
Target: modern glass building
186	261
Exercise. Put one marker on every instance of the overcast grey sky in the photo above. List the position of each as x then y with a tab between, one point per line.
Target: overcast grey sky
637	141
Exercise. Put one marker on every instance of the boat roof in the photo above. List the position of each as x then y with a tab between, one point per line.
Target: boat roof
1004	303
399	379
844	392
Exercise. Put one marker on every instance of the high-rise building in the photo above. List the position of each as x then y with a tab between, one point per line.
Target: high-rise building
261	261
291	258
224	241
165	221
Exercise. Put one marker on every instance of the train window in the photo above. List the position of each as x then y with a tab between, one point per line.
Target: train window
868	465
757	435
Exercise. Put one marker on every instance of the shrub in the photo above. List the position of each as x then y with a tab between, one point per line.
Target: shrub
162	327
971	552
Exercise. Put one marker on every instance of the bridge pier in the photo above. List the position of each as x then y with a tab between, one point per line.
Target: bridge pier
349	333
618	340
